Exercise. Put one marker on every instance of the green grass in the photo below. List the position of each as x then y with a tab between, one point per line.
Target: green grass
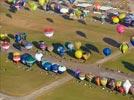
15	80
78	91
124	63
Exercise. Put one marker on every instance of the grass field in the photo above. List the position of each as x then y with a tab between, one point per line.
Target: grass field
16	81
78	91
124	63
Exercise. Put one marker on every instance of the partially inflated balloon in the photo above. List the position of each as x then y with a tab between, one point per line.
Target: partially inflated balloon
32	5
122	16
120	28
43	2
77	45
132	40
16	57
78	54
115	20
103	81
86	56
124	47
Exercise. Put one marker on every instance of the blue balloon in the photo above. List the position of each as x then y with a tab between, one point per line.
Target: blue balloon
132	42
107	51
17	38
54	68
61	50
71	1
24	57
47	66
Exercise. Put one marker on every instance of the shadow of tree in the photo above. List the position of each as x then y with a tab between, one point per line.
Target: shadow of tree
128	65
50	20
82	34
111	42
91	47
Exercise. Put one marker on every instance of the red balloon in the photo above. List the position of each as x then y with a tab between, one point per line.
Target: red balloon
49	32
97	6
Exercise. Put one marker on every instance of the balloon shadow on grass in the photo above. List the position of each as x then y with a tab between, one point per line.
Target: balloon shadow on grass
128	65
11	36
111	42
82	34
10	55
82	22
50	20
36	44
90	47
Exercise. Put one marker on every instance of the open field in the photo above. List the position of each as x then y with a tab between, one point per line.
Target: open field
78	91
17	81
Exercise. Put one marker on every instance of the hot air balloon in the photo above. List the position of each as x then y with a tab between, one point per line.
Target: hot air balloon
97	80
122	16
132	90
61	69
86	56
124	47
115	19
5	45
120	28
78	54
107	51
49	32
71	1
121	90
126	86
27	59
97	6
89	77
3	36
47	65
118	83
61	50
43	2
50	48
28	45
69	46
77	45
16	57
132	40
111	84
103	81
42	45
81	76
55	67
32	5
17	38
38	56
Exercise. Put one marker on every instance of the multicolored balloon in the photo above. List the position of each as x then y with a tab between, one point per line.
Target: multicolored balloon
97	6
120	28
86	56
42	45
124	47
5	45
49	32
28	45
81	76
16	57
103	81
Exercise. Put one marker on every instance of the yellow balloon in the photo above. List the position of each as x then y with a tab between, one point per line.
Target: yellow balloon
124	47
78	54
122	16
43	2
116	20
77	45
2	36
86	56
32	5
